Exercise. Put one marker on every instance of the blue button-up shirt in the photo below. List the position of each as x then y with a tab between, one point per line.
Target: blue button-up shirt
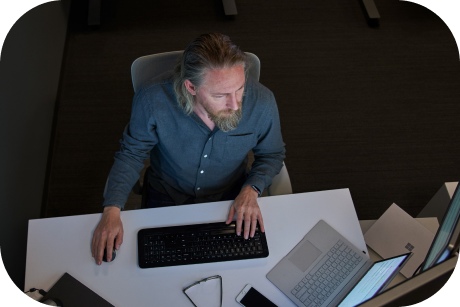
187	159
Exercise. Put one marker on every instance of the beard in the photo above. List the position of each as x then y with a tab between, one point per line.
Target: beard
226	120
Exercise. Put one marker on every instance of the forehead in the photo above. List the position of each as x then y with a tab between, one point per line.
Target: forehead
224	80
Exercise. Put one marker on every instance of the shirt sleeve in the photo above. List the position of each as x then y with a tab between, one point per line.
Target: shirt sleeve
269	153
139	137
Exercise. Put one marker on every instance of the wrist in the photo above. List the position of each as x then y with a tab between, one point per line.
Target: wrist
112	208
252	189
259	192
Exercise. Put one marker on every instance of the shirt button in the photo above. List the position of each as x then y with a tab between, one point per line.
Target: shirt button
202	171
198	188
205	156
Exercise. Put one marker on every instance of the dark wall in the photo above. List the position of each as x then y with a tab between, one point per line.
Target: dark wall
30	67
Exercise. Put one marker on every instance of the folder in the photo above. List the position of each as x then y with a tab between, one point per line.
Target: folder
69	292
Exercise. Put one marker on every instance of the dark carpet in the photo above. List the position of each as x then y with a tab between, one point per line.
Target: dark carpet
374	110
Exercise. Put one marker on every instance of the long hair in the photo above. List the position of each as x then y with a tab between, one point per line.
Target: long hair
208	51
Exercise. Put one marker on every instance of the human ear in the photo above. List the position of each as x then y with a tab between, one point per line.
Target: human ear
190	87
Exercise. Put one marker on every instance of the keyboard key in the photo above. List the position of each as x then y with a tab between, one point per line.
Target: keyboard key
317	286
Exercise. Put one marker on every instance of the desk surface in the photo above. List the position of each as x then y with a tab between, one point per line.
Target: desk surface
59	245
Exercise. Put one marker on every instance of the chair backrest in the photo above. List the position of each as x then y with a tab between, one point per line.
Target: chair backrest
281	183
149	66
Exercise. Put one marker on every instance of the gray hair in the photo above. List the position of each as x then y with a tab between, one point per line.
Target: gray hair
208	51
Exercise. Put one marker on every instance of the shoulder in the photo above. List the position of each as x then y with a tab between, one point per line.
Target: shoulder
155	93
257	90
259	98
157	86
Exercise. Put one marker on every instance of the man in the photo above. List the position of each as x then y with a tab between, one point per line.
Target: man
198	125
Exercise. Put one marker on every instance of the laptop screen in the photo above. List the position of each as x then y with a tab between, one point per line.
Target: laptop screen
376	278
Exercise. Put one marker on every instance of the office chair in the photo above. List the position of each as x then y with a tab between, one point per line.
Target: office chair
146	67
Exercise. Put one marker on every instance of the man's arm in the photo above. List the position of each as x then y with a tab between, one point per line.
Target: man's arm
138	139
269	154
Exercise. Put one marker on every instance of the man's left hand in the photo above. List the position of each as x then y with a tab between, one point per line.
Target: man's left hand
247	209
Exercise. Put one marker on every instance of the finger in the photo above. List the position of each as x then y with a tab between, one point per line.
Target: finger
109	249
239	223
100	250
119	240
247	226
93	246
261	223
231	213
253	226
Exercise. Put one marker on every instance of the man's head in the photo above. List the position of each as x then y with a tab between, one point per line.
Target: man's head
211	77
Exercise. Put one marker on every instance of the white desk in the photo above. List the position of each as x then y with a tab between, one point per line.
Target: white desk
58	245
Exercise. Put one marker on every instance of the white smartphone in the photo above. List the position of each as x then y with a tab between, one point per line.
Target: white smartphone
250	297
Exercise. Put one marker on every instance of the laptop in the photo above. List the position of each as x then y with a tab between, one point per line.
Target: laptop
324	267
397	232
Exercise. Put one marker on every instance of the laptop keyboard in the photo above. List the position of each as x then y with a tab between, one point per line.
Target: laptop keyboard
317	286
201	243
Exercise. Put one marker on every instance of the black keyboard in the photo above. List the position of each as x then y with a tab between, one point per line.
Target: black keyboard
200	243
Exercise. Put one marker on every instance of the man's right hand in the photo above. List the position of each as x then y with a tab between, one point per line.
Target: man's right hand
108	234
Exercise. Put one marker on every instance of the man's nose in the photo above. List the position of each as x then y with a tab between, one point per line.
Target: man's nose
232	102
